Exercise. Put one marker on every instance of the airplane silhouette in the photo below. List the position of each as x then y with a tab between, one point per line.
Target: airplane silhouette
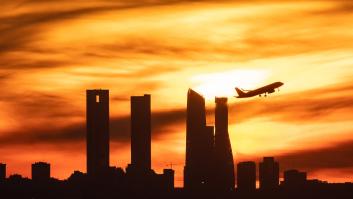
263	90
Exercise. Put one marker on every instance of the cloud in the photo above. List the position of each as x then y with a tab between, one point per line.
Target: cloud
119	130
19	30
32	105
154	70
335	156
342	7
22	36
302	107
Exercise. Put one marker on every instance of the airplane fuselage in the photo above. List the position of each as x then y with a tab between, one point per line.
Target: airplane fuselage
263	90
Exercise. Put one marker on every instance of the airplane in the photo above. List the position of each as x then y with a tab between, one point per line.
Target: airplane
263	90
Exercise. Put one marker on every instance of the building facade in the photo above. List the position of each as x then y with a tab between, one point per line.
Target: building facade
97	127
141	133
199	142
225	179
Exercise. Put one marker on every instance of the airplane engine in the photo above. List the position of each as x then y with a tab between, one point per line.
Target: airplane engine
271	91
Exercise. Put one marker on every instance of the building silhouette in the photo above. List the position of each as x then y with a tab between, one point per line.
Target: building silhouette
269	174
246	176
2	172
208	155
199	142
97	124
294	178
139	174
209	141
141	133
40	171
168	175
225	179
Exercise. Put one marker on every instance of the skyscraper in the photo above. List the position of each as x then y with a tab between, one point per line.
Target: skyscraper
223	150
269	174
208	168
199	138
97	121
246	176
40	171
2	172
208	144
141	133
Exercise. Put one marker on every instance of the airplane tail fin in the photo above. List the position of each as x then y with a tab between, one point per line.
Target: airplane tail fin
239	91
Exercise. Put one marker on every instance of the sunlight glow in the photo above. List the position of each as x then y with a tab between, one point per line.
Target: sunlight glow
223	84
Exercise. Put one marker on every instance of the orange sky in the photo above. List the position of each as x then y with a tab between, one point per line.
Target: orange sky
52	51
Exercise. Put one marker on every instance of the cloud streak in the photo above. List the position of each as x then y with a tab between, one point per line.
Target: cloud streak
22	32
330	157
302	107
119	130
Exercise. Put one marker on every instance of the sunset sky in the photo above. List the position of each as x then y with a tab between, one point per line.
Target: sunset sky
51	51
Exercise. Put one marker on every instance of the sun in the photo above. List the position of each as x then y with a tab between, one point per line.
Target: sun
222	84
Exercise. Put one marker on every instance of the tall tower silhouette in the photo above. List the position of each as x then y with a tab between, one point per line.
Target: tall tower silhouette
269	173
141	132
97	124
2	172
199	143
225	179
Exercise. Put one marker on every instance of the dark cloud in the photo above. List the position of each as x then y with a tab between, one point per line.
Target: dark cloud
342	7
146	71
119	130
18	31
302	107
37	105
5	76
335	156
120	98
21	32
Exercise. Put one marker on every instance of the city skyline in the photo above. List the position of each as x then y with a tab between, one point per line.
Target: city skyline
52	51
209	164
